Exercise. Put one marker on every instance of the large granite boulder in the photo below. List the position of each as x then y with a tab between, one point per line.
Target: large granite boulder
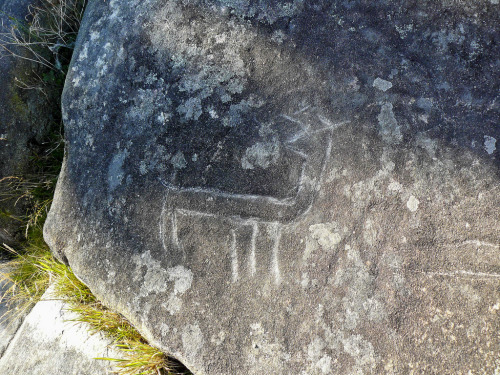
289	187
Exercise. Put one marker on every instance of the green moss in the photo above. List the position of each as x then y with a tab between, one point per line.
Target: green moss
18	106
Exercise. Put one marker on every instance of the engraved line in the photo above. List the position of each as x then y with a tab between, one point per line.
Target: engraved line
329	124
175	238
302	110
463	273
296	137
479	243
300	153
273	200
304	127
330	127
234	257
321	175
233	218
327	158
275	262
183	211
253	240
162	225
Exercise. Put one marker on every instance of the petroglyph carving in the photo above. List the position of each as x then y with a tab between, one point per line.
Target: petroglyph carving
299	145
253	245
275	180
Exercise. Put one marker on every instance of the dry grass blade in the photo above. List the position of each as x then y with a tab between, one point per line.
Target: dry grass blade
27	279
54	26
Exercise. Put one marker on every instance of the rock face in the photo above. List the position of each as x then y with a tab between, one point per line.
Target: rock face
49	342
298	187
8	325
24	116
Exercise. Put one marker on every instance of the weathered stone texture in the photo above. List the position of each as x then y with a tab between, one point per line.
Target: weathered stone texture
8	323
299	187
50	341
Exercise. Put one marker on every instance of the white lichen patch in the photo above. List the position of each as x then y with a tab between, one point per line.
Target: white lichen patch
395	186
412	203
388	125
490	144
182	277
115	170
192	341
261	154
425	104
178	160
164	329
382	84
361	350
304	281
429	144
158	279
370	232
191	109
173	304
219	338
359	302
326	234
84	52
265	352
89	140
315	354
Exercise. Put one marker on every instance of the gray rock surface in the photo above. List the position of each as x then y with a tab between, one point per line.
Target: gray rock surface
8	323
289	187
49	342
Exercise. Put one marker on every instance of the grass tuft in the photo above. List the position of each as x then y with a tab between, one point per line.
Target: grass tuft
32	271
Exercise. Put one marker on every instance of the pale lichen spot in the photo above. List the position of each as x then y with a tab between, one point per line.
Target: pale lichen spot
89	140
178	161
412	203
192	340
84	52
173	304
143	168
490	144
182	277
370	234
218	339
115	170
388	125
395	186
94	35
304	282
261	154
326	235
191	109
382	84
